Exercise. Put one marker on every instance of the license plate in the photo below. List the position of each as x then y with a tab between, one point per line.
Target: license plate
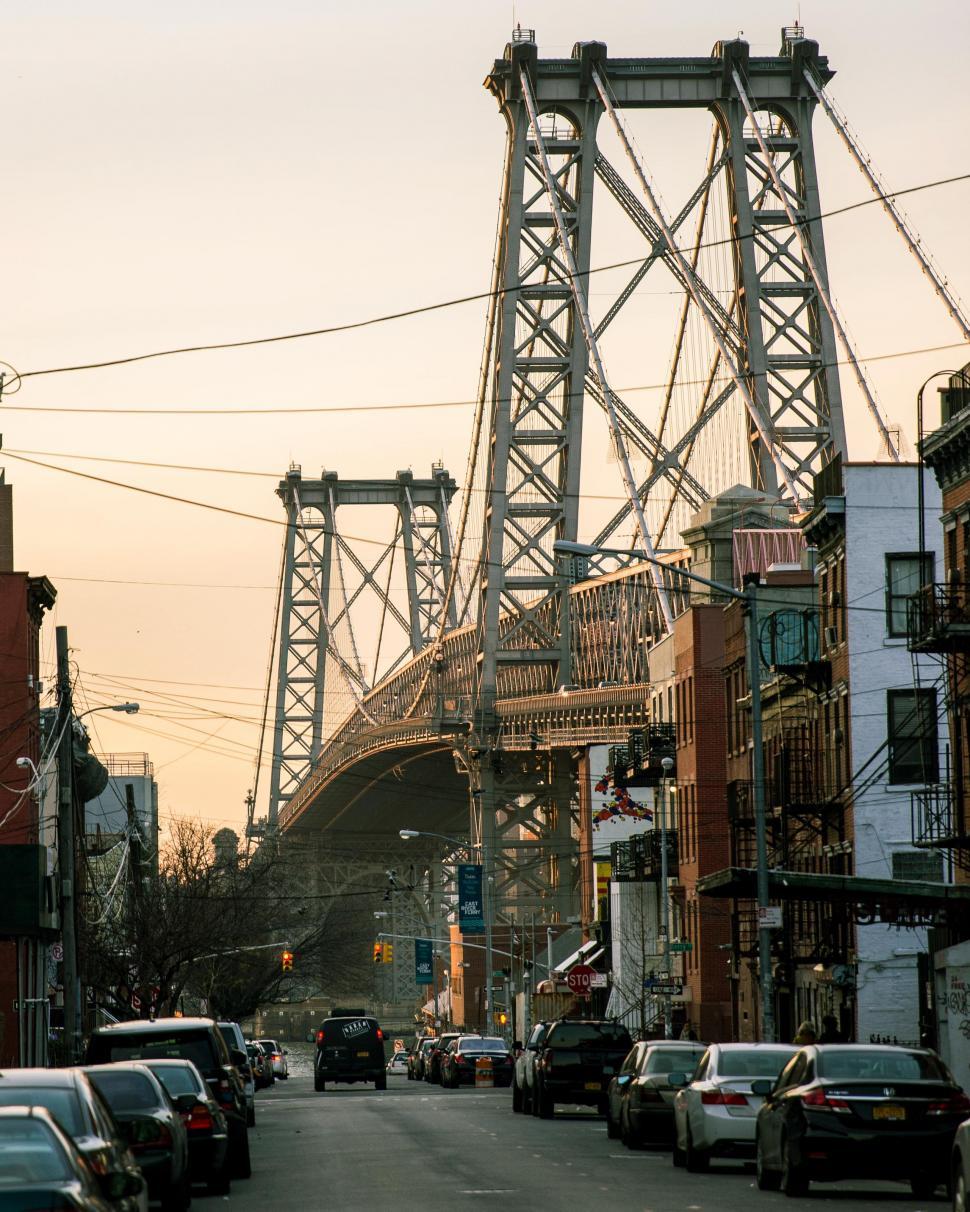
594	1085
889	1112
363	1054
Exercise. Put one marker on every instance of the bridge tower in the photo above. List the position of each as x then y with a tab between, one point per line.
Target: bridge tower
325	582
772	388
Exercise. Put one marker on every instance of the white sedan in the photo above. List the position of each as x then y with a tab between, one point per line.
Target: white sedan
714	1115
398	1062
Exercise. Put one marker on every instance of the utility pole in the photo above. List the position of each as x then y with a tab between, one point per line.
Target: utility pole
765	974
66	846
667	764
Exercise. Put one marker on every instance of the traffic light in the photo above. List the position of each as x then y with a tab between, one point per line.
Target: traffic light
388	953
378	953
287	961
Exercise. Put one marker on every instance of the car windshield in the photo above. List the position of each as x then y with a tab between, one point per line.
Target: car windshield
427	1045
177	1079
672	1060
181	1045
349	1030
125	1090
30	1153
753	1062
872	1064
61	1101
270	1044
589	1035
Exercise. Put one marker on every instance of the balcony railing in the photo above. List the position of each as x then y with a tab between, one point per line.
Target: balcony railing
938	619
936	818
640	857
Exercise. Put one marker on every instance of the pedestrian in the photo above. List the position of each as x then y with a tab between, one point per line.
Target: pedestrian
805	1034
688	1032
830	1030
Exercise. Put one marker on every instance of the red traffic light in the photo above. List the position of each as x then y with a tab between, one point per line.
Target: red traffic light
287	961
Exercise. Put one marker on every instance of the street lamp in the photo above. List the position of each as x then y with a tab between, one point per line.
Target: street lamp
920	466
407	835
750	597
668	764
127	708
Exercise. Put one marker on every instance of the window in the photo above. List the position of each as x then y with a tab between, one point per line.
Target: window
913	744
904	578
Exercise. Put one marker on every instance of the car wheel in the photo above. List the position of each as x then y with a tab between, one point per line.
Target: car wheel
959	1188
318	1083
220	1183
794	1179
241	1163
612	1131
696	1160
516	1098
678	1156
923	1186
545	1104
380	1082
177	1196
250	1117
767	1180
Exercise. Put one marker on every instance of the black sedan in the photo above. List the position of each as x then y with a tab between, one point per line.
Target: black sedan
157	1136
205	1123
858	1111
41	1167
459	1065
84	1115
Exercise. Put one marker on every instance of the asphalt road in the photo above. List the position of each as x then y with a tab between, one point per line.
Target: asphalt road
418	1146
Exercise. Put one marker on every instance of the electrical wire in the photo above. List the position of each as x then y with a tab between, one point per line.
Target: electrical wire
428	308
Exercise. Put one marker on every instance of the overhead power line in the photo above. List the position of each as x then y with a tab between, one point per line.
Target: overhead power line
427	308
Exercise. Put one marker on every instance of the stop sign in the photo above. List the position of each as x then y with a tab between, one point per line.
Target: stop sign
579	978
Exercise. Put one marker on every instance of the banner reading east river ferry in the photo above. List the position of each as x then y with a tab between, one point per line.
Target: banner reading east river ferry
423	962
471	909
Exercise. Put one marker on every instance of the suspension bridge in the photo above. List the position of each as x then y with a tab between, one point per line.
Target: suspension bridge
452	678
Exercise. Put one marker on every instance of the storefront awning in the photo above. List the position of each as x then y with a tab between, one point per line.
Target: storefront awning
917	902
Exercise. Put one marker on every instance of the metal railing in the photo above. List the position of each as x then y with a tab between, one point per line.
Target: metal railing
938	618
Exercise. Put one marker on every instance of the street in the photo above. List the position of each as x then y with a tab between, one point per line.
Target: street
418	1146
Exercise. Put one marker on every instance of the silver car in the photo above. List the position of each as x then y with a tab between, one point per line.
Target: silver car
278	1057
715	1114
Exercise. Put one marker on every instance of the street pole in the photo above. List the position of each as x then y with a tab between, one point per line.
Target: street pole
487	910
66	844
760	821
667	764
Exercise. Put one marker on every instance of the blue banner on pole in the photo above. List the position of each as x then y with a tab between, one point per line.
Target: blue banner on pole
423	962
471	907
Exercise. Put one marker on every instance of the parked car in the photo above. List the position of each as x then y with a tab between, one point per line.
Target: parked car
576	1061
398	1063
232	1033
432	1062
85	1116
143	1109
459	1064
42	1167
641	1109
349	1050
262	1064
198	1040
715	1112
205	1124
524	1073
858	1111
419	1057
278	1055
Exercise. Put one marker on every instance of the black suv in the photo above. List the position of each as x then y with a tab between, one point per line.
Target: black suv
198	1040
349	1050
575	1062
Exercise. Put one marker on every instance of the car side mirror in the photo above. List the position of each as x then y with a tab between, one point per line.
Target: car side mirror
286	1052
119	1184
237	1057
517	1045
186	1102
678	1080
624	1079
763	1086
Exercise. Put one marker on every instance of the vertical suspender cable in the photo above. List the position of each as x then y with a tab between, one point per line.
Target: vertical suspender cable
900	222
592	345
820	285
697	294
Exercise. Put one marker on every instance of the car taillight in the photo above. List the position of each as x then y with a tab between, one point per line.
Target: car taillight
956	1104
547	1061
147	1134
380	1033
818	1100
319	1037
460	1060
98	1161
200	1119
723	1098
